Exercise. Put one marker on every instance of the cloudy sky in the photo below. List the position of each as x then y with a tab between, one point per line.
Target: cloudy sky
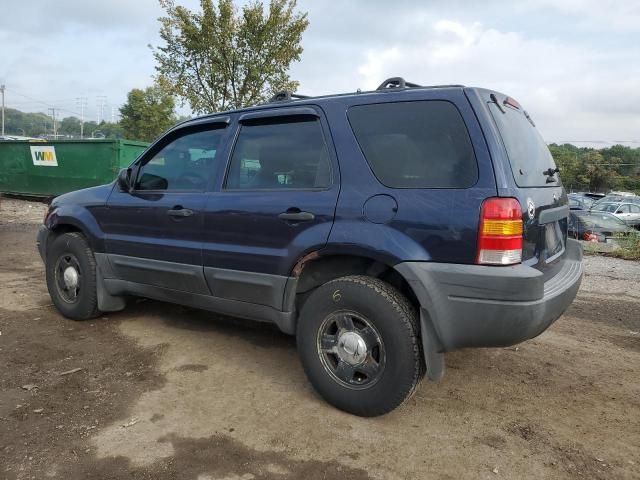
574	64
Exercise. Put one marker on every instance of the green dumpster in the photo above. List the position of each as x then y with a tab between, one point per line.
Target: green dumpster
46	169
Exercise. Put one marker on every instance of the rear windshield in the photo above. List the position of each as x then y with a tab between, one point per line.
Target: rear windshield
601	220
528	154
422	144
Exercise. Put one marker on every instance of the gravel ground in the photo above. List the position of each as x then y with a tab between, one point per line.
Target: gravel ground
169	392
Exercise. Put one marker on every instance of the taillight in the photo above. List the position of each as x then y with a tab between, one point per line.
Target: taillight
590	237
500	234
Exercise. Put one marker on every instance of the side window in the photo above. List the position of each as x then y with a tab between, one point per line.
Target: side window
283	155
634	208
422	144
184	164
623	209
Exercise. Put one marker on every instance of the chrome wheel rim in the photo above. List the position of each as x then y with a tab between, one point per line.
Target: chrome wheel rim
68	277
351	350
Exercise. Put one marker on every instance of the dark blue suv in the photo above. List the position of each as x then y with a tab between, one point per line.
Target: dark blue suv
381	228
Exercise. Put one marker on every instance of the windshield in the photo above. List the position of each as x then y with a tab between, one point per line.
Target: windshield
528	154
601	220
606	207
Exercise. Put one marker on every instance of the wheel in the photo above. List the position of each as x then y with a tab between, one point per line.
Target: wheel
358	342
71	276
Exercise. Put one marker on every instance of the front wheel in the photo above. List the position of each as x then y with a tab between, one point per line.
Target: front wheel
71	276
358	341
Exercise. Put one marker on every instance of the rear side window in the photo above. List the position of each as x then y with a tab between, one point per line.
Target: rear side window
283	155
528	155
423	144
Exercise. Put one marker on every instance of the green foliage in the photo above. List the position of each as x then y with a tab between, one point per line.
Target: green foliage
39	124
26	124
598	170
629	247
219	58
147	113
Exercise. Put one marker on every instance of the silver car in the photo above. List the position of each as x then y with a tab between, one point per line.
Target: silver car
627	212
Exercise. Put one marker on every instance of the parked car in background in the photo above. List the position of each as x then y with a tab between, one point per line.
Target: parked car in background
596	226
579	201
629	213
618	198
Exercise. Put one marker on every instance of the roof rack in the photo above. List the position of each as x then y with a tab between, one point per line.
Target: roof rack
286	96
396	82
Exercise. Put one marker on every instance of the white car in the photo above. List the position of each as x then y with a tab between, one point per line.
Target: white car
627	212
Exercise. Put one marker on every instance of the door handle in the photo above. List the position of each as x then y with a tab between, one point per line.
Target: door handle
179	212
296	216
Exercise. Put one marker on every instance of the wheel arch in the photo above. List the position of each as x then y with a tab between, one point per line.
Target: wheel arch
318	267
76	219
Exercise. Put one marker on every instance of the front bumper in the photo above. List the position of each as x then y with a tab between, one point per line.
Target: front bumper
481	306
41	241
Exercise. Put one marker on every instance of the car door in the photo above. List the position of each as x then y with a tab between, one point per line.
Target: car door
634	214
623	213
153	233
275	204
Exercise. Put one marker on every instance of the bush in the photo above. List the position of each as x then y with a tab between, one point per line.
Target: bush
629	247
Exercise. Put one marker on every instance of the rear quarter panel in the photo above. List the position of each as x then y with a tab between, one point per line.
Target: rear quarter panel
437	225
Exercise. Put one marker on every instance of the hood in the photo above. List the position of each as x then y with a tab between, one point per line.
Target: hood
86	197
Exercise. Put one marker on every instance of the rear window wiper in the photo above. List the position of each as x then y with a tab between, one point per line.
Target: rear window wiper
550	172
494	99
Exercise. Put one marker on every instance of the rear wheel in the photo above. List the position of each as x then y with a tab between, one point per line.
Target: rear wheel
358	341
71	276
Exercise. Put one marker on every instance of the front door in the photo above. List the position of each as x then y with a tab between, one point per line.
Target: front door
154	233
277	203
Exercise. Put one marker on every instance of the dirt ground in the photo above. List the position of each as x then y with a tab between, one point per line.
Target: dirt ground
169	392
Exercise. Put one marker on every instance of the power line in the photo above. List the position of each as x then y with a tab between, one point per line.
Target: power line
82	103
49	105
102	99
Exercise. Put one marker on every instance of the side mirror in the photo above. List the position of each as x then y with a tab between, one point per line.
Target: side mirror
124	179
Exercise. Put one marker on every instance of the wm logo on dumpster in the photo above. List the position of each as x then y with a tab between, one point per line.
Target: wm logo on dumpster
44	156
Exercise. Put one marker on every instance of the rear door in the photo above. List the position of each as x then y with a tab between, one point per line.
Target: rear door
154	233
275	204
529	174
630	213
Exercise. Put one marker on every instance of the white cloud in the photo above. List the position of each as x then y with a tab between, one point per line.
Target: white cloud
572	63
560	84
610	15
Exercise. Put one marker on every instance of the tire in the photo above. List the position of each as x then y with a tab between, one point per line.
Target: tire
385	321
71	250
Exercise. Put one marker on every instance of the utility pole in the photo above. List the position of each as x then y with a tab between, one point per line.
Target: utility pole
2	92
101	102
55	128
82	102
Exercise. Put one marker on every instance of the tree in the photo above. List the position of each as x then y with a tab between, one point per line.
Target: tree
566	158
69	126
147	113
597	173
219	58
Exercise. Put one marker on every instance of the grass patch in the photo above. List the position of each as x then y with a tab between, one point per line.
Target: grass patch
629	247
626	247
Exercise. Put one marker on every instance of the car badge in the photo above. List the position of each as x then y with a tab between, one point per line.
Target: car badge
531	209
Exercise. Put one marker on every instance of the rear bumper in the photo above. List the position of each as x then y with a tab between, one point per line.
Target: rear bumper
479	306
41	241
